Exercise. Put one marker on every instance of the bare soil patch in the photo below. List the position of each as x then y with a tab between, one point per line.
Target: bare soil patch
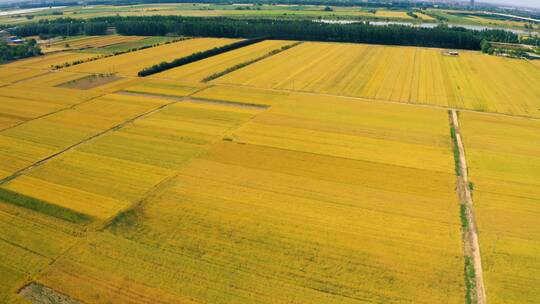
89	82
39	294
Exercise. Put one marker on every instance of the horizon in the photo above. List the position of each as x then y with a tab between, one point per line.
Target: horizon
524	3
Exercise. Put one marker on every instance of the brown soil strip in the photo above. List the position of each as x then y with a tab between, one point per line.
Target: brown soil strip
89	82
230	103
151	95
196	99
39	294
470	232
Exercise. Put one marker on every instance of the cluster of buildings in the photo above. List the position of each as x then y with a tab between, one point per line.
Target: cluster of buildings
9	39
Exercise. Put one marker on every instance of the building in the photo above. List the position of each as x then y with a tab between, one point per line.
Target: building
15	40
4	36
472	2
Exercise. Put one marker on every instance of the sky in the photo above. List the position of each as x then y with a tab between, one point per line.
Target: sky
530	3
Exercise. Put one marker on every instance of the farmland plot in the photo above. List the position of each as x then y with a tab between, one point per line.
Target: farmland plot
130	64
504	165
415	75
28	244
11	75
392	14
25	144
242	95
54	79
45	62
258	223
23	102
197	71
106	175
13	110
301	125
164	88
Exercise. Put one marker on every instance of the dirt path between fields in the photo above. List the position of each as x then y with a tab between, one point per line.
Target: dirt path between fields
470	232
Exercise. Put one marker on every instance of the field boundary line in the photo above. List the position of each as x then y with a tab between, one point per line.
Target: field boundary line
469	226
371	100
150	95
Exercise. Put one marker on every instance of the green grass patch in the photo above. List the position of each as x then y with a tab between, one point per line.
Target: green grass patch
127	223
464	218
21	200
457	163
470	285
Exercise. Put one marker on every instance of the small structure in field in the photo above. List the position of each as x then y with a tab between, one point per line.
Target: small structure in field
451	53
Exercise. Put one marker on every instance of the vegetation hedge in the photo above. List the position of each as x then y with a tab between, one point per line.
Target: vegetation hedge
31	203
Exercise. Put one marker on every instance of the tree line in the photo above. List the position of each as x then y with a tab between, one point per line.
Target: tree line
61	27
440	36
13	52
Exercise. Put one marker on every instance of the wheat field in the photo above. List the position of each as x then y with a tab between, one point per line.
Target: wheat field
321	174
400	74
197	71
130	64
504	157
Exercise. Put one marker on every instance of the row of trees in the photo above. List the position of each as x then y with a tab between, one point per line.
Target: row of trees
12	52
61	27
441	36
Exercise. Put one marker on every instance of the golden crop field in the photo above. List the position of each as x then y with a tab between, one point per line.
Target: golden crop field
322	174
253	223
164	87
392	14
197	71
45	62
27	143
107	174
402	74
53	78
29	243
10	75
23	102
242	95
504	165
424	16
130	64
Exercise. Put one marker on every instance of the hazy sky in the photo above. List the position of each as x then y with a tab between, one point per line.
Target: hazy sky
531	3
